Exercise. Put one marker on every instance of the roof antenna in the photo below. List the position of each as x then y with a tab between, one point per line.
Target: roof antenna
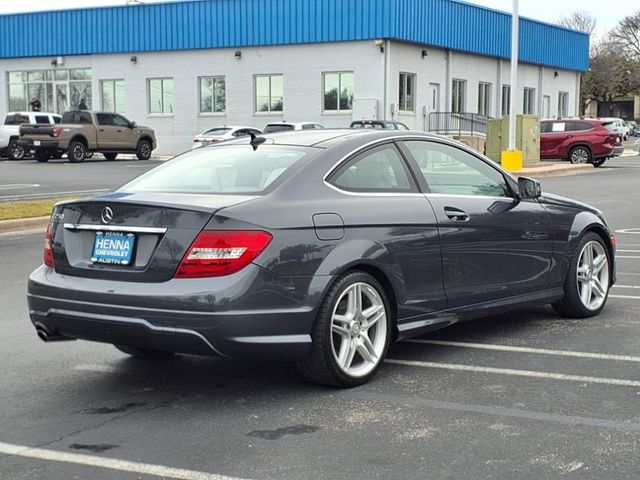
256	141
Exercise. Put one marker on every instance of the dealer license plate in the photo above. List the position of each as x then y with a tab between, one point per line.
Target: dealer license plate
113	248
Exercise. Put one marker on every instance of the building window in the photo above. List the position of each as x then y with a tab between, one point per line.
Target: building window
269	93
213	94
529	106
58	90
484	99
338	92
506	99
458	94
406	99
113	99
563	104
160	91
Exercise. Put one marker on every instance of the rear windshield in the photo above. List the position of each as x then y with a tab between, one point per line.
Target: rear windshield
217	131
277	128
16	119
221	169
76	118
611	126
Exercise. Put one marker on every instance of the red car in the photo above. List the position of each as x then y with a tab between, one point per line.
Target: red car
579	140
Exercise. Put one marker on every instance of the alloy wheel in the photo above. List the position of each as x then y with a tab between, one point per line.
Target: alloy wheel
579	155
359	330
593	275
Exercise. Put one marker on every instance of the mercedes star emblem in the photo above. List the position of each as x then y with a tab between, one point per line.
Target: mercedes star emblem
107	215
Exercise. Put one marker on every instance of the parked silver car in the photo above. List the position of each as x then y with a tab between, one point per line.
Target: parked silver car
218	134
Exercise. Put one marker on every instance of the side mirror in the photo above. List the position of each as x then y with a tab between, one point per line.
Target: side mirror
528	188
133	124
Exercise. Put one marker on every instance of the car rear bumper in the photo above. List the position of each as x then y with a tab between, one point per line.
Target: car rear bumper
257	314
39	144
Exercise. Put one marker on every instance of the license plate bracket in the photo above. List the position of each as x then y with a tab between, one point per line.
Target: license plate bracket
113	248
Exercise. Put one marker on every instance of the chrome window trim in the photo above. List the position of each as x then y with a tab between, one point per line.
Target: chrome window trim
114	228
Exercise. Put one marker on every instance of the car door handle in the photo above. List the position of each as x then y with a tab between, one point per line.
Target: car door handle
119	130
456	214
102	129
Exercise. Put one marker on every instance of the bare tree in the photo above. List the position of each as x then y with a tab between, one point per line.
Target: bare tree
583	21
627	35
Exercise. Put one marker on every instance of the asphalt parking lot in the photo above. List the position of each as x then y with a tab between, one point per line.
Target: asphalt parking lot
521	395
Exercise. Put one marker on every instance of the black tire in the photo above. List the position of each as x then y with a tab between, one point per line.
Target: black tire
42	156
110	156
143	150
598	162
144	353
77	152
321	365
15	151
572	305
580	154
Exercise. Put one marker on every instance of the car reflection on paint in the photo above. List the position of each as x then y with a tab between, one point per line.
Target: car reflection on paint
321	247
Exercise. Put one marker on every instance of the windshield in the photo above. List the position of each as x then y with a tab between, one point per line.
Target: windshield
219	170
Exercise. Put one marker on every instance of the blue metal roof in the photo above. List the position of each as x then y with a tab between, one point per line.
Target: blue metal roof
199	24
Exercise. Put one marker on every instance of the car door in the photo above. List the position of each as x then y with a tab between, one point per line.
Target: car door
125	137
552	137
107	132
494	246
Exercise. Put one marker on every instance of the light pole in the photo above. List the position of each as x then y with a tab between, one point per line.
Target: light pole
512	158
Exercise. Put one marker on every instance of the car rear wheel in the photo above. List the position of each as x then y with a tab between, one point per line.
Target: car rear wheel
598	162
110	156
143	151
580	155
15	151
351	333
144	353
42	156
586	287
77	152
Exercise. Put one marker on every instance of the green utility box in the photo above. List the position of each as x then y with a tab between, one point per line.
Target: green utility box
527	138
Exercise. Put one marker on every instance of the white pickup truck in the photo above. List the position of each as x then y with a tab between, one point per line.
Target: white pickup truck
10	131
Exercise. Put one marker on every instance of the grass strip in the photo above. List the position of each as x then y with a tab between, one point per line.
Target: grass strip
28	208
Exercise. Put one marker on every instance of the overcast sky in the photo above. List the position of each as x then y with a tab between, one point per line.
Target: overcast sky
608	14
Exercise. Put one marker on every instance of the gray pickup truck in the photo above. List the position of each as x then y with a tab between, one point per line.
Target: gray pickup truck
81	133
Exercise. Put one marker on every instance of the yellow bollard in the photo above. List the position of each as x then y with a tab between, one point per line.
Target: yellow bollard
511	160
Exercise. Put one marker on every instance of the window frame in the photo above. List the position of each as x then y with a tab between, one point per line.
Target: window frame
338	111
505	104
563	104
529	99
484	98
112	86
269	111
358	155
214	79
162	112
404	78
459	95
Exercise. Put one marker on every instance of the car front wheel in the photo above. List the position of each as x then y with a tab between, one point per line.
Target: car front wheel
351	333
586	287
580	155
143	152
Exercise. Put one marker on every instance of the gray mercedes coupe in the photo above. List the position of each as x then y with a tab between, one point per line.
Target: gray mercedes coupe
320	247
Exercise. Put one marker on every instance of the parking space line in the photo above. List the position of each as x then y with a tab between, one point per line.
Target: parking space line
393	399
628	297
540	351
96	368
626	286
626	256
51	194
109	463
628	251
516	373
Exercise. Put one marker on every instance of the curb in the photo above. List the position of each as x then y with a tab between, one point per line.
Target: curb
23	226
556	170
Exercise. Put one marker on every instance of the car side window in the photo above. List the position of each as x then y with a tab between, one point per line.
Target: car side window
120	121
545	127
450	170
104	119
380	169
43	119
57	119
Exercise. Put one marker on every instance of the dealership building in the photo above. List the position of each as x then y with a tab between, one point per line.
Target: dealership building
183	67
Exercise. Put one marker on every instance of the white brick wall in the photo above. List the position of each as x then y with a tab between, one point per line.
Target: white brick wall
302	67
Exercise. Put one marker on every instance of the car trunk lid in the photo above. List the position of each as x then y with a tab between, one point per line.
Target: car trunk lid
131	237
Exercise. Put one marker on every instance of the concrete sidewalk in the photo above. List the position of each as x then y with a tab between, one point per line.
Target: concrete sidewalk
23	226
552	169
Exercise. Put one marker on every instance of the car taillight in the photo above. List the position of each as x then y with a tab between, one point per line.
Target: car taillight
215	253
57	131
48	250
